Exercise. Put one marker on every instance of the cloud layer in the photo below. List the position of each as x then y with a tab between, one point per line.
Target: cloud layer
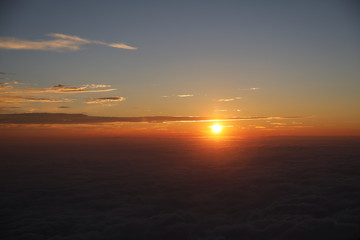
59	118
153	188
61	42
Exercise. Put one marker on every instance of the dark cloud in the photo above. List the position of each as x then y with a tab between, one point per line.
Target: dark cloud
153	188
64	107
59	118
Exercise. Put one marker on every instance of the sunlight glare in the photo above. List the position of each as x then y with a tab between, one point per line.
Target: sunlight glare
216	128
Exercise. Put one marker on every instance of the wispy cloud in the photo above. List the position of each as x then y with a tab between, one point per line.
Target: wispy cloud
4	86
67	89
185	95
105	100
11	95
7	109
8	84
229	99
249	89
61	42
69	37
96	85
19	99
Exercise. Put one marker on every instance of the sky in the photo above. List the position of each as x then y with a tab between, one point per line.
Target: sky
282	67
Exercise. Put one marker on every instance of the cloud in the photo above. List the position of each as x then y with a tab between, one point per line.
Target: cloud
4	86
47	118
249	89
6	109
64	107
9	95
67	89
105	100
61	42
185	95
275	188
19	99
96	85
7	85
229	99
85	41
18	44
120	45
69	37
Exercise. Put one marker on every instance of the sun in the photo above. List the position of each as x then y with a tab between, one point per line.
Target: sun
216	128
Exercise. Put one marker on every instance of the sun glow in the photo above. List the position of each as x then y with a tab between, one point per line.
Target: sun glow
216	128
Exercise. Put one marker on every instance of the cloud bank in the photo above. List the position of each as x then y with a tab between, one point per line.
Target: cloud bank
63	118
150	188
61	42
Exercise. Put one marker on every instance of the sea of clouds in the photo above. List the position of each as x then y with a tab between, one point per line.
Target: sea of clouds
181	188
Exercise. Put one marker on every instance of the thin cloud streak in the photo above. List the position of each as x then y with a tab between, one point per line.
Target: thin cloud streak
69	37
229	99
105	100
62	42
250	89
67	89
19	99
62	118
185	95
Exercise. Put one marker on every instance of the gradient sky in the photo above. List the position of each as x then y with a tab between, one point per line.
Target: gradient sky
185	58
